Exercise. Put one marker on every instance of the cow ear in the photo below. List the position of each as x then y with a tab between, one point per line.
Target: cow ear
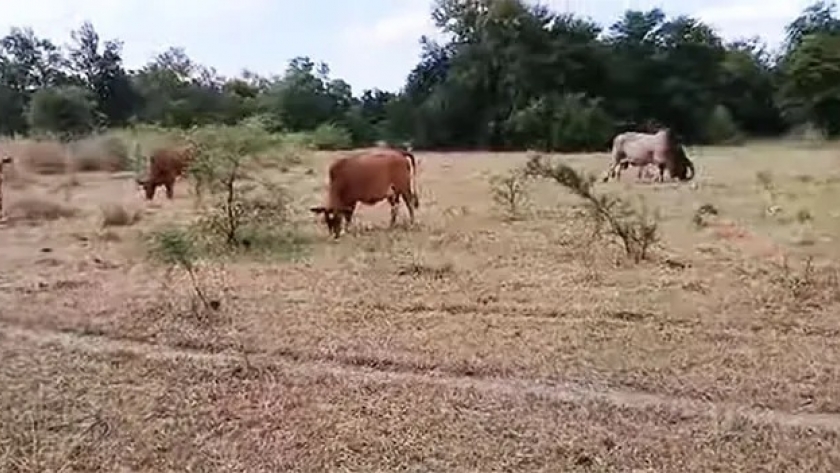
318	210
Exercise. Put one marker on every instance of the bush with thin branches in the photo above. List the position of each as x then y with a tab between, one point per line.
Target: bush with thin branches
177	248
510	192
633	226
245	210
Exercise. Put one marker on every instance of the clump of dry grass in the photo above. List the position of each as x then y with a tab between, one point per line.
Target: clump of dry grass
701	215
119	215
421	269
806	284
91	154
16	178
38	208
39	156
768	186
101	153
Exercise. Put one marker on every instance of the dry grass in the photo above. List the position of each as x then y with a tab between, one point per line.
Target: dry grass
423	348
17	178
38	156
119	215
38	209
101	153
48	157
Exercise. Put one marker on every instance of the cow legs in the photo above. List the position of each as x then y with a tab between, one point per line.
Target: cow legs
394	202
408	199
149	188
661	176
617	170
347	214
170	189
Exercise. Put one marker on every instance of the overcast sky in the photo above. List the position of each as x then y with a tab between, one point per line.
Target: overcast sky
369	43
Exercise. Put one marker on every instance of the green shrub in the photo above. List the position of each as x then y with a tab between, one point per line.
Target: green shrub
721	128
331	137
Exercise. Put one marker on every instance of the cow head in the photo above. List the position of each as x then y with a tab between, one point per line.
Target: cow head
147	187
332	218
682	167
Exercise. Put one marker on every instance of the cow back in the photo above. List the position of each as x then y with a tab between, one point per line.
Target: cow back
368	176
169	163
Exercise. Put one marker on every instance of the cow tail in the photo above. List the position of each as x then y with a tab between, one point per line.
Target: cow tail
412	178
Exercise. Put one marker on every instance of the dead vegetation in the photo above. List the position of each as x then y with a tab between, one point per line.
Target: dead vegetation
119	215
510	192
34	209
460	344
49	157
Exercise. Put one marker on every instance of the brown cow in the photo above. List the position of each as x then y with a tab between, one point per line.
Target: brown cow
369	176
165	165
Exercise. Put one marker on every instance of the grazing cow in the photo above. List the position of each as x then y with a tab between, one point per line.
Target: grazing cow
6	160
165	165
369	176
642	149
644	172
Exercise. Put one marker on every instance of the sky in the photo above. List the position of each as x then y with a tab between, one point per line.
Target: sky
368	43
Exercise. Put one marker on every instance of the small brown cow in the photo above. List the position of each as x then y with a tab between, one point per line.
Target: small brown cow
369	176
165	165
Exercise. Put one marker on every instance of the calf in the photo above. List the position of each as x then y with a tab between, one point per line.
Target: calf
369	176
165	165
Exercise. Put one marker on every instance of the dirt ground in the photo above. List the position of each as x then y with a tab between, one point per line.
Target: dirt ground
467	342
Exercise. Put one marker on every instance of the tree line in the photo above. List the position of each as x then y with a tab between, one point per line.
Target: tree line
509	75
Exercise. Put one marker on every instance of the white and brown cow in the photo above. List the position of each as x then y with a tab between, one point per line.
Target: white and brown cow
660	149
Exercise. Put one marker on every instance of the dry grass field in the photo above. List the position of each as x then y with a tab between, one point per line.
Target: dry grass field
468	342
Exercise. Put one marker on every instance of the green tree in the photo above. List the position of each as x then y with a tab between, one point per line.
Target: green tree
69	111
811	81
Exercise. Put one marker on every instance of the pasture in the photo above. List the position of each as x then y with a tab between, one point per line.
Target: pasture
468	342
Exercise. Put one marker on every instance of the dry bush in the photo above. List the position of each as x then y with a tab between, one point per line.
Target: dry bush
510	192
101	153
119	215
38	208
49	157
178	249
416	264
771	193
700	217
15	177
43	157
208	327
804	216
632	226
806	284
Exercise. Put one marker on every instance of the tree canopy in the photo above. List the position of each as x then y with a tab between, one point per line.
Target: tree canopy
510	75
